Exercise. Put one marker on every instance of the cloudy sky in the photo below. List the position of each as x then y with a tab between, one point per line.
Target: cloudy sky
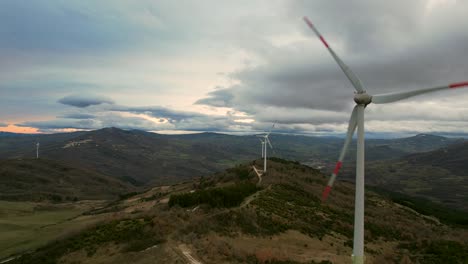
229	66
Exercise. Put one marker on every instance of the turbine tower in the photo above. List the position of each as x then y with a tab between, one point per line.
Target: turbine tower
263	146
265	143
362	99
37	150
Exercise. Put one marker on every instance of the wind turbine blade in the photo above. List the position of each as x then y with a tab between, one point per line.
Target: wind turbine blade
393	97
347	71
271	128
269	143
351	128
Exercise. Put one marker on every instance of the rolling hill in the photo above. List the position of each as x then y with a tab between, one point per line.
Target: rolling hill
42	179
439	175
229	218
144	158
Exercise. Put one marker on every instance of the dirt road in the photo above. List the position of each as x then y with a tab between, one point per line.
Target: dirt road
188	254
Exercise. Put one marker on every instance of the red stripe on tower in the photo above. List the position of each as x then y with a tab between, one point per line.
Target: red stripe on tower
324	42
458	85
337	168
326	192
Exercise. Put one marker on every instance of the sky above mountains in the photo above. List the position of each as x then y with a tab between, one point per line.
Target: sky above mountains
234	66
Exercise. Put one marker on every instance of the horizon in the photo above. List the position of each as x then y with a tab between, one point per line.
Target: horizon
382	135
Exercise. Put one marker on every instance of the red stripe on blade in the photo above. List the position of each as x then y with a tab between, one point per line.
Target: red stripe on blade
457	85
337	168
324	42
326	192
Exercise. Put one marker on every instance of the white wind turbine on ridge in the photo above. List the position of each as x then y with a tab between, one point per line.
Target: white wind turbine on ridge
362	99
265	143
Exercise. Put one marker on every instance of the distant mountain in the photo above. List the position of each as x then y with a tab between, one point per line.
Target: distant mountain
421	143
453	158
143	158
24	145
42	179
9	134
230	217
440	175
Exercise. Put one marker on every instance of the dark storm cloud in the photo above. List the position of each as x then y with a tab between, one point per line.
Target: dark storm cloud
218	98
60	124
157	111
63	26
391	46
283	73
145	118
83	101
78	116
121	120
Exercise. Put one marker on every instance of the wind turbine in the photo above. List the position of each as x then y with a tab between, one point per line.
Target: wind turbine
37	150
362	99
265	141
263	146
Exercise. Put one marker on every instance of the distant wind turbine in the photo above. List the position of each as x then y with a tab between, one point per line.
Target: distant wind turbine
265	141
362	99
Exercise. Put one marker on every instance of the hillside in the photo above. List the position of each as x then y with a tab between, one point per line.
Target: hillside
42	179
144	158
440	175
227	218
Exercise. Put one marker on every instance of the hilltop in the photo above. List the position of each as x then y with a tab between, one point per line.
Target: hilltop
228	218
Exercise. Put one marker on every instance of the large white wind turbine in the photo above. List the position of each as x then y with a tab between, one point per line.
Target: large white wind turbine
362	99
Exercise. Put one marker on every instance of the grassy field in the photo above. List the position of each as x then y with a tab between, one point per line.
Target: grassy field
26	225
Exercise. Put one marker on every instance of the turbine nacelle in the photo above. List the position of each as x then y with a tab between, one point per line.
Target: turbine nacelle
362	98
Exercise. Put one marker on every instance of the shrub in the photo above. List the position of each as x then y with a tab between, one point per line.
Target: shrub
228	196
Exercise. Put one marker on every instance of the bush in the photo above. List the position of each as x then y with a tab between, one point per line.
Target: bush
440	251
229	196
283	161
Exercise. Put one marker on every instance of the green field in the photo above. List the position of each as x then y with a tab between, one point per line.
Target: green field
26	225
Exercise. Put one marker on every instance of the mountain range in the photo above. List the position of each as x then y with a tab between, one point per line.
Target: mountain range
144	158
115	161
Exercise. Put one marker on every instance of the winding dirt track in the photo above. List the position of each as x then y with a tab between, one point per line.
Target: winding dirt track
187	254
